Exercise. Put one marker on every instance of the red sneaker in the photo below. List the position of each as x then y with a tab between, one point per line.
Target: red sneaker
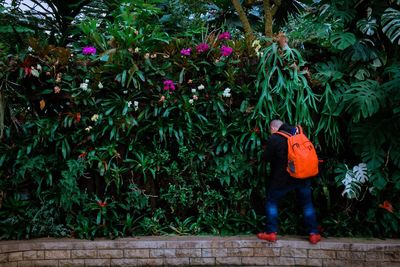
314	238
271	237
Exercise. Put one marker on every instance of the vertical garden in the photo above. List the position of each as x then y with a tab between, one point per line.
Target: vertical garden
125	118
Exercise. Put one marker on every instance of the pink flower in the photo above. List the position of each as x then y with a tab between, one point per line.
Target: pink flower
226	51
169	85
202	47
186	51
224	36
89	50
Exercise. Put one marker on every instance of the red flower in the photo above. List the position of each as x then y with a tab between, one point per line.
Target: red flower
27	71
102	204
82	155
387	206
255	130
78	117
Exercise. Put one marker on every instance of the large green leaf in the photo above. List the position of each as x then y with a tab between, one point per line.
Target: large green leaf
362	51
342	40
394	153
364	99
391	24
368	26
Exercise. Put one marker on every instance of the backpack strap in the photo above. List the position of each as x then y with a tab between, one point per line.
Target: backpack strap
299	129
284	134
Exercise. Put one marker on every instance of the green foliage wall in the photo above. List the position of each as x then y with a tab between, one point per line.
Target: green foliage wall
135	130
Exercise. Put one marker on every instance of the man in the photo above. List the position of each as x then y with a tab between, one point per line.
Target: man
281	182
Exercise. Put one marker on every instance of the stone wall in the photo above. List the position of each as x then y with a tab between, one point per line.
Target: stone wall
200	251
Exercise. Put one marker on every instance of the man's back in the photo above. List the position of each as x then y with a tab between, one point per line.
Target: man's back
276	152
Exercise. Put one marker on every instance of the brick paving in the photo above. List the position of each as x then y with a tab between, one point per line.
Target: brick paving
200	251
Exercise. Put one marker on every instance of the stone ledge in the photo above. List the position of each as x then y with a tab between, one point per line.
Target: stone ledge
200	251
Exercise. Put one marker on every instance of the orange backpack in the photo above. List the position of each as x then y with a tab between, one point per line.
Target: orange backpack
302	157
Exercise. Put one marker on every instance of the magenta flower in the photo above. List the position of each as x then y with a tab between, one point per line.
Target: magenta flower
89	50
202	47
226	51
169	85
224	36
186	51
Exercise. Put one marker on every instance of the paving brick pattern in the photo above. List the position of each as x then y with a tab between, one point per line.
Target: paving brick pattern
200	251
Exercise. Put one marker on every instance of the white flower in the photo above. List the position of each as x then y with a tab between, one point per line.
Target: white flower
191	17
146	56
84	86
86	81
30	49
195	97
191	101
137	50
38	67
129	104
87	129
136	105
200	87
58	78
255	43
226	92
125	92
95	117
194	90
100	85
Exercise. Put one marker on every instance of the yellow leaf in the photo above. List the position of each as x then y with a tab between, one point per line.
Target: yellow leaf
42	104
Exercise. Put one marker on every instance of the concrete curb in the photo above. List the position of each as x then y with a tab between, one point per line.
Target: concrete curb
200	251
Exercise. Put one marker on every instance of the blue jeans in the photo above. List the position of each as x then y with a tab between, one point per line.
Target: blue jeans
303	195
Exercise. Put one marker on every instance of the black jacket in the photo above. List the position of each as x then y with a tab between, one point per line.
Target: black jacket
276	152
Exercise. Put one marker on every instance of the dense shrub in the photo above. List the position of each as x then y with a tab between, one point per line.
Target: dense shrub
133	130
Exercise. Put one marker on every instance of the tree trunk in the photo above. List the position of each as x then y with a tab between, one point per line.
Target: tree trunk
248	31
269	12
267	18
